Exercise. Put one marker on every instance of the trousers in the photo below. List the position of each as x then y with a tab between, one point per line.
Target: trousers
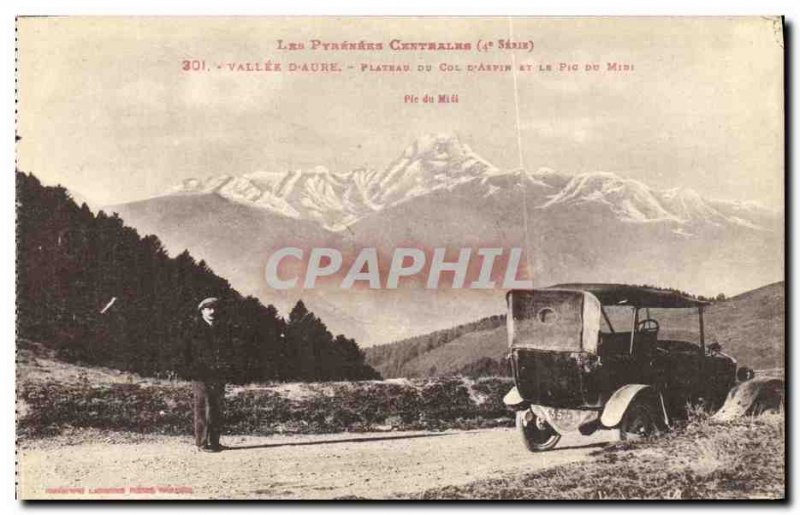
208	399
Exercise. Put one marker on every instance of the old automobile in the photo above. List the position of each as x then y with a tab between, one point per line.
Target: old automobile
598	356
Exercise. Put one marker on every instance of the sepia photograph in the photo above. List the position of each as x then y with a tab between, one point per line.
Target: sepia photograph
398	258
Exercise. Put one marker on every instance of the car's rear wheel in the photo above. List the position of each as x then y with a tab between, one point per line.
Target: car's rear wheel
537	434
641	420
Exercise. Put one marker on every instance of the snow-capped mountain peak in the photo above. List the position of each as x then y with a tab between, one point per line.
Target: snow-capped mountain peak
432	162
441	162
633	201
630	200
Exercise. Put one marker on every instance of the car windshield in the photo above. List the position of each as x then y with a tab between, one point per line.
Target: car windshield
667	325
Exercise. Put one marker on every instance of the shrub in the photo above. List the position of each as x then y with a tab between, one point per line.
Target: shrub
433	404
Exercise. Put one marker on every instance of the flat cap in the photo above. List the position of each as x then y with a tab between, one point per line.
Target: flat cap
210	301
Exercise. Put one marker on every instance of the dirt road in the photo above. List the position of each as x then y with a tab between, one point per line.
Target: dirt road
370	465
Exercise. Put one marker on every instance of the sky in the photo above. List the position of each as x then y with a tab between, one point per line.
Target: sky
105	109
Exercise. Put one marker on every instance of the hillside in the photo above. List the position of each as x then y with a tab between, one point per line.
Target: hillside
97	293
411	357
749	326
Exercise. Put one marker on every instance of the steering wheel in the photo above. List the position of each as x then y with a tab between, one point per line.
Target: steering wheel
648	326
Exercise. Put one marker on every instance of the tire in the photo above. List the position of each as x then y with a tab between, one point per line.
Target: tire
641	420
537	435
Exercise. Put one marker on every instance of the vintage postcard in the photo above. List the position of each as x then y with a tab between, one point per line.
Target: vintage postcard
400	258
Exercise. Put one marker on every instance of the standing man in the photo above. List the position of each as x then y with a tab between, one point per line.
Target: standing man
208	365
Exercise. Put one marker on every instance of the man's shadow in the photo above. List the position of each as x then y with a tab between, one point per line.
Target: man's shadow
365	439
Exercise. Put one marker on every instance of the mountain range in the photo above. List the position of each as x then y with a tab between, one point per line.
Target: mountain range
441	162
587	227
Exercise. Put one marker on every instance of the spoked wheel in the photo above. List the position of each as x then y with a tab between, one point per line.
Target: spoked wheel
641	420
537	434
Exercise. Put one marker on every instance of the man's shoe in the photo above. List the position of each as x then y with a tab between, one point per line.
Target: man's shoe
206	448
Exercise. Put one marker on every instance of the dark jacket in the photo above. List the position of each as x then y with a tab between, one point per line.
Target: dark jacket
208	354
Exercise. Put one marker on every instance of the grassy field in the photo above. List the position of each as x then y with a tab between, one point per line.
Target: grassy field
56	397
704	459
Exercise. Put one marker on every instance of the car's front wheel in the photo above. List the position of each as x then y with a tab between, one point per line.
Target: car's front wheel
537	434
641	420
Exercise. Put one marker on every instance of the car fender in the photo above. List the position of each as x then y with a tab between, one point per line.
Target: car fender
513	398
619	401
